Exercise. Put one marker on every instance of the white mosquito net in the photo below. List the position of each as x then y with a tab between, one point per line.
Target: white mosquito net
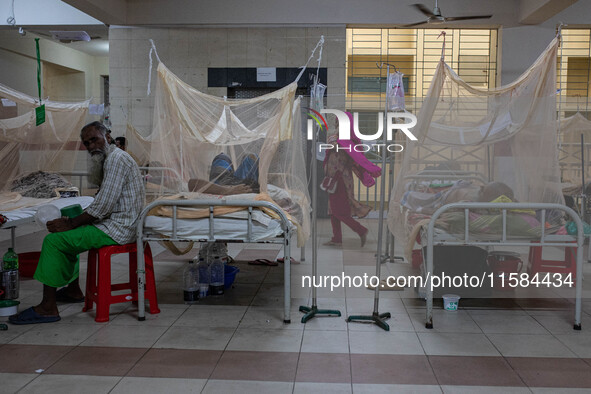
507	135
25	148
198	140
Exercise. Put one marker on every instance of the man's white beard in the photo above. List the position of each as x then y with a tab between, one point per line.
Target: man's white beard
95	175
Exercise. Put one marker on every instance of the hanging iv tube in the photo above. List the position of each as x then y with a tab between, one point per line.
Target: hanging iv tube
378	65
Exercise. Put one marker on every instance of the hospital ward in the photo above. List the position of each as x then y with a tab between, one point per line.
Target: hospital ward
295	197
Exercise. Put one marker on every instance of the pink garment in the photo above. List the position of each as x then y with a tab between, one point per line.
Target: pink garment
365	170
340	211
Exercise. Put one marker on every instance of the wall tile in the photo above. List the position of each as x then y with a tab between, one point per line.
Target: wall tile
198	49
119	33
276	51
141	114
237	47
197	77
315	32
339	32
296	51
256	55
139	54
120	76
118	92
217	47
139	82
336	77
295	32
335	52
142	33
178	53
219	92
119	53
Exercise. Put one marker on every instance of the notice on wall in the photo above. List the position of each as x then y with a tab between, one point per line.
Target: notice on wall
96	109
266	74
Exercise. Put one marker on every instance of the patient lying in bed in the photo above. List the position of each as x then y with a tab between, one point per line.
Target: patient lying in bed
460	191
203	186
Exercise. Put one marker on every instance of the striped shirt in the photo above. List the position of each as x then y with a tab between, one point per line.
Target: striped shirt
120	199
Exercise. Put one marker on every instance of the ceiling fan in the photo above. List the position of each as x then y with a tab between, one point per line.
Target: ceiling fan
436	17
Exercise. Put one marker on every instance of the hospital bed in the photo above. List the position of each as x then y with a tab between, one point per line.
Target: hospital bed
249	225
435	236
480	224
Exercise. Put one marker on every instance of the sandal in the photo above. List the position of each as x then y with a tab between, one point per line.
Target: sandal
332	243
29	316
291	260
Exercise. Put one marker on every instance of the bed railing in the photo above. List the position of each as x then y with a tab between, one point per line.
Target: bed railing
447	176
210	204
79	174
545	240
170	181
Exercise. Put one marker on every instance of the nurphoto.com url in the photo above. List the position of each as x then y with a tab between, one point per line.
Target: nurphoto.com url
435	281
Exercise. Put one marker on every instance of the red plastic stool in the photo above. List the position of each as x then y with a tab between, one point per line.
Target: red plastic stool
566	266
99	289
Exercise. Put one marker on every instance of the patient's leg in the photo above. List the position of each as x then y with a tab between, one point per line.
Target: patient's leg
199	185
249	168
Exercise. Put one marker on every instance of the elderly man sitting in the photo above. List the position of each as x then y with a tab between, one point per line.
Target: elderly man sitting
109	220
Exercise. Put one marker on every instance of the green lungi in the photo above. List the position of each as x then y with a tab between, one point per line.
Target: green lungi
59	263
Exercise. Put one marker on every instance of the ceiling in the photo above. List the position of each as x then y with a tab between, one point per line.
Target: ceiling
310	12
94	16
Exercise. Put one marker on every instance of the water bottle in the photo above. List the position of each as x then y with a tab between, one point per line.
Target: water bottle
191	283
215	249
216	283
10	260
9	275
203	269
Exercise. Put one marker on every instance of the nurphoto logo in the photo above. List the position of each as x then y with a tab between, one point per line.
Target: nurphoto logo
345	130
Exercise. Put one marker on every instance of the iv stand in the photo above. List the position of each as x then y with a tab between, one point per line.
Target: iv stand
390	241
312	311
376	317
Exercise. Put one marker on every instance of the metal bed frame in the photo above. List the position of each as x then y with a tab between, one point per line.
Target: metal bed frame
210	237
545	240
447	176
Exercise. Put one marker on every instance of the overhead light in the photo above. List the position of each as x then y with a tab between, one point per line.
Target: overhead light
69	36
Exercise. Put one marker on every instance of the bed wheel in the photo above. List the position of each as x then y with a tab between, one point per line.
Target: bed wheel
429	325
141	318
287	321
577	327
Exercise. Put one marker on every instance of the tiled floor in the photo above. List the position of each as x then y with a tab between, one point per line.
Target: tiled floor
518	342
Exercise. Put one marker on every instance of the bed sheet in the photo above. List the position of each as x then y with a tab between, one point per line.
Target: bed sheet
29	212
226	227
